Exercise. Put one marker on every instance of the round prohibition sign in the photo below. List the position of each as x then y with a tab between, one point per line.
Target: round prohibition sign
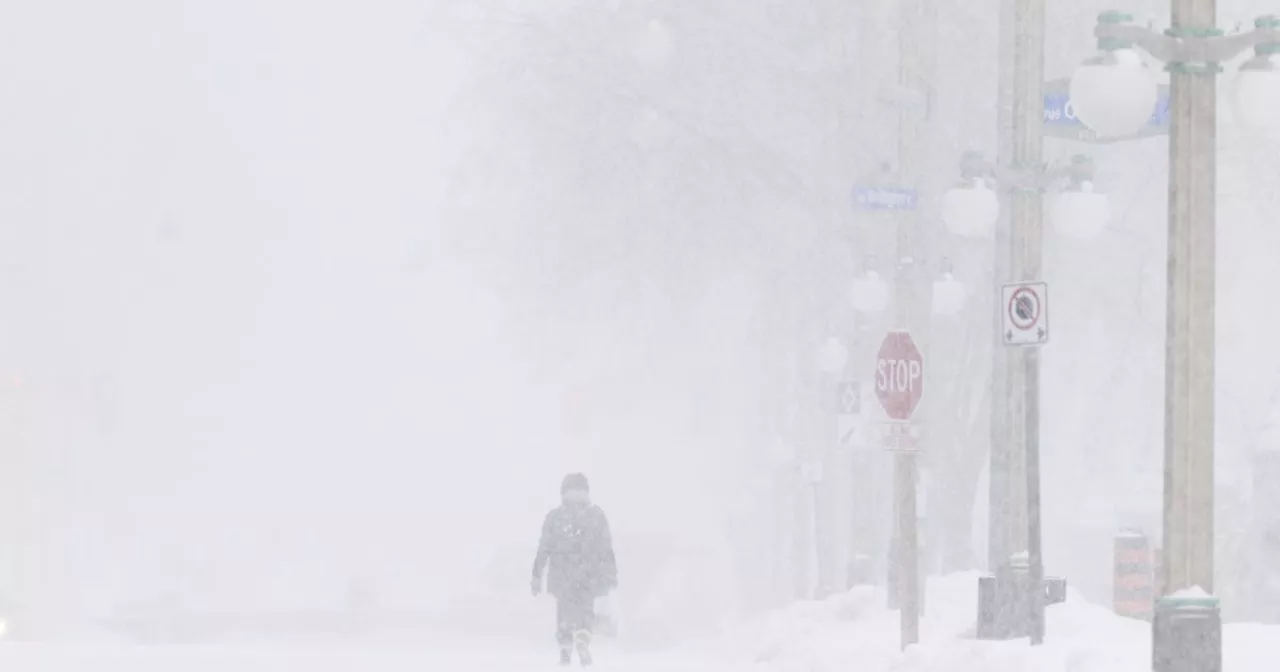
1024	308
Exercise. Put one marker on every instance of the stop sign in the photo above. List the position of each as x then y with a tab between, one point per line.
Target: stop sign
899	375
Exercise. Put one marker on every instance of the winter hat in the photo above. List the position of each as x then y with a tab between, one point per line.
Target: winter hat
574	482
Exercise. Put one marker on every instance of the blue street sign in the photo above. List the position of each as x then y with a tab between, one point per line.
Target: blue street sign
1060	120
884	198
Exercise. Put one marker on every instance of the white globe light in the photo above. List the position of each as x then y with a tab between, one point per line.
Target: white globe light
1257	94
949	296
971	211
1082	213
1114	93
870	293
832	356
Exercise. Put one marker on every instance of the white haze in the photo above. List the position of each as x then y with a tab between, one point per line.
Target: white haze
276	316
247	359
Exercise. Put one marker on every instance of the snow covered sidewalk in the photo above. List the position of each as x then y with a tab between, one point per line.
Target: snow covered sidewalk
855	631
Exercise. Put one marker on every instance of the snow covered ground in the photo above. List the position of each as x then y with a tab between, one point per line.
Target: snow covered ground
849	631
1082	637
465	655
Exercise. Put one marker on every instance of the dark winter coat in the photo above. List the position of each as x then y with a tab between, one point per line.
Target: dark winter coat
577	546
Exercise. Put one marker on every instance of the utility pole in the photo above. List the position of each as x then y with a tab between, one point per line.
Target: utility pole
873	530
1028	246
1014	539
912	287
1002	502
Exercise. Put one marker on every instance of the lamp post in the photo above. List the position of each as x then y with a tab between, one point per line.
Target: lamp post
1111	93
917	23
1019	587
1015	376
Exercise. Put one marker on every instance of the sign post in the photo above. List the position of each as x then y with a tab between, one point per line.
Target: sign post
899	384
1025	322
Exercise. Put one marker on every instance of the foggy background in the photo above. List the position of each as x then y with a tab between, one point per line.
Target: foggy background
251	353
299	292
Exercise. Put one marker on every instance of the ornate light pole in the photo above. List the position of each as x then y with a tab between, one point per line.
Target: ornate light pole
1014	605
1114	93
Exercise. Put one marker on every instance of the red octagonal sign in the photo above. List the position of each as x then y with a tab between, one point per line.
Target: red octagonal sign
899	375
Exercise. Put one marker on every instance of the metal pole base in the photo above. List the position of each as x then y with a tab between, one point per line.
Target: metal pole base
1186	635
1005	602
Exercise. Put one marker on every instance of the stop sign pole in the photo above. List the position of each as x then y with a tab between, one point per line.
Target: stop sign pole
899	384
912	298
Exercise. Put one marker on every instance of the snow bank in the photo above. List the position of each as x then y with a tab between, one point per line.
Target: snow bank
855	630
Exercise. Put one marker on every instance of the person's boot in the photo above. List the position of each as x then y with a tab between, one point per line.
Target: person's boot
582	642
566	655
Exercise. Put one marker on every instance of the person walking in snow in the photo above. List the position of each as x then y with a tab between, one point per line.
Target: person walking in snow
576	551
